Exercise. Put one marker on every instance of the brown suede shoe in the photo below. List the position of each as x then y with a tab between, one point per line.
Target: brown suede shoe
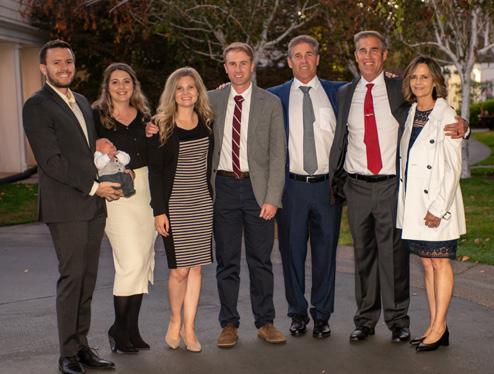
228	336
271	334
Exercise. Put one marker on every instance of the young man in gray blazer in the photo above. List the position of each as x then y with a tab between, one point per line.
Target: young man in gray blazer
248	177
60	129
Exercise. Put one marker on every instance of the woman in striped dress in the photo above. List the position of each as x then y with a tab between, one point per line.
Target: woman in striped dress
181	195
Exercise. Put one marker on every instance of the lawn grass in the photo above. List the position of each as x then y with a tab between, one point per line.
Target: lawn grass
478	198
18	203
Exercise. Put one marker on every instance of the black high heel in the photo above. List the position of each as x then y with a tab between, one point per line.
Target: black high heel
117	346
417	341
443	340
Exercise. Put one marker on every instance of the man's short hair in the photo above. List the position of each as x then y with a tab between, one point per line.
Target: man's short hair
366	34
53	44
303	39
239	47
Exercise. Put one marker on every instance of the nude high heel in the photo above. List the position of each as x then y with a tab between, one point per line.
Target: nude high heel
171	342
191	347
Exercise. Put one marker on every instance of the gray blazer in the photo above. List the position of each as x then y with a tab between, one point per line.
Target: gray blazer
266	143
399	109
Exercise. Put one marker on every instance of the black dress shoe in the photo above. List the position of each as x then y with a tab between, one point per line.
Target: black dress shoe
88	358
321	330
70	365
400	334
443	340
299	325
361	333
417	341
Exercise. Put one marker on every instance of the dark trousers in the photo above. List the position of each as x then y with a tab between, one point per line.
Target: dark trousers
307	214
381	261
235	212
125	180
77	245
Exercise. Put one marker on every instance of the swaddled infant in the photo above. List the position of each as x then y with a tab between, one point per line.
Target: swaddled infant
111	163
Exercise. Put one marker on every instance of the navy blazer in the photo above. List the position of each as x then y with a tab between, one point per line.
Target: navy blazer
283	92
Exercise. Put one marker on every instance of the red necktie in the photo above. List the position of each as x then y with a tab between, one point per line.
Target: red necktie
371	140
237	118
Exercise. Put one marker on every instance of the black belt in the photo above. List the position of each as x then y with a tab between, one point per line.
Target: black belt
231	174
371	178
309	178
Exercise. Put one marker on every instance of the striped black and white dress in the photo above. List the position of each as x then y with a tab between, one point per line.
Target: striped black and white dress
190	204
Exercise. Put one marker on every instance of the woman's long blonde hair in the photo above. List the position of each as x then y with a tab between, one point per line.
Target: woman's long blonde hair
105	104
167	109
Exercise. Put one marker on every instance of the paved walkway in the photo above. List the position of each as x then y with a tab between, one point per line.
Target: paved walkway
28	333
477	151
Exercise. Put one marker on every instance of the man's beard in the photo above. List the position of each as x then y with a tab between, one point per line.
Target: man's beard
55	82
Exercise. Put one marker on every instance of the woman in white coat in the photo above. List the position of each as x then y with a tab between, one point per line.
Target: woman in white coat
430	205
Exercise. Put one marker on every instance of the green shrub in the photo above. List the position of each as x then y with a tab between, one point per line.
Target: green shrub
488	106
474	114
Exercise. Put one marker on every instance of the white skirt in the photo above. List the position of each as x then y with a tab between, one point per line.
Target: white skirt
130	229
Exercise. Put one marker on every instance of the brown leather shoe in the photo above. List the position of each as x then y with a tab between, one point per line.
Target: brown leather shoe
228	336
271	334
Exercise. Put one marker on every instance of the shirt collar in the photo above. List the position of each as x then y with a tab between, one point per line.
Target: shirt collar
313	83
69	98
378	81
246	94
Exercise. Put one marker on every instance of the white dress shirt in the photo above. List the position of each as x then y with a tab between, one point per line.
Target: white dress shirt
324	126
387	129
226	147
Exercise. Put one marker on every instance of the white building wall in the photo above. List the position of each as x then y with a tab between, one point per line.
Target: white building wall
19	78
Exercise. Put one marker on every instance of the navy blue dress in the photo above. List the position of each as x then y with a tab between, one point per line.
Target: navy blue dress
424	248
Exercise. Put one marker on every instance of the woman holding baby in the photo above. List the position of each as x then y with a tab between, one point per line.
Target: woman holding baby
120	114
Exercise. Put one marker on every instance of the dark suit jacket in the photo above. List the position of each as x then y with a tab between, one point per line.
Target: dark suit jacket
399	109
65	160
283	92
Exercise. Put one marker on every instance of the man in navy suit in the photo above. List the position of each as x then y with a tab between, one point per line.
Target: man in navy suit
309	106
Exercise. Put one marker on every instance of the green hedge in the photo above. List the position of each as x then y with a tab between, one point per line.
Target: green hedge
475	108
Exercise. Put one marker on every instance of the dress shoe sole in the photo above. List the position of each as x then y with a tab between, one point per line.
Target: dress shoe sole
321	335
61	370
400	340
298	333
271	341
227	345
99	367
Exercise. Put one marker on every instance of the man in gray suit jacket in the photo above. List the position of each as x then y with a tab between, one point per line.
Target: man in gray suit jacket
60	129
248	178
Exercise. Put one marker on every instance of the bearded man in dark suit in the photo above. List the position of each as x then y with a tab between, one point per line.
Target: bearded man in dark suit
60	129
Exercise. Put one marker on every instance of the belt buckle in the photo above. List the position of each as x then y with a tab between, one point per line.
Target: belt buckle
309	178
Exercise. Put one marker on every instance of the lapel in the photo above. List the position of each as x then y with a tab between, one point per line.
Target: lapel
255	108
331	94
284	95
63	105
220	114
405	139
88	118
347	102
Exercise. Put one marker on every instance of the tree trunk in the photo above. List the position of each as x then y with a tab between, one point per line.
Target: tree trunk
465	113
